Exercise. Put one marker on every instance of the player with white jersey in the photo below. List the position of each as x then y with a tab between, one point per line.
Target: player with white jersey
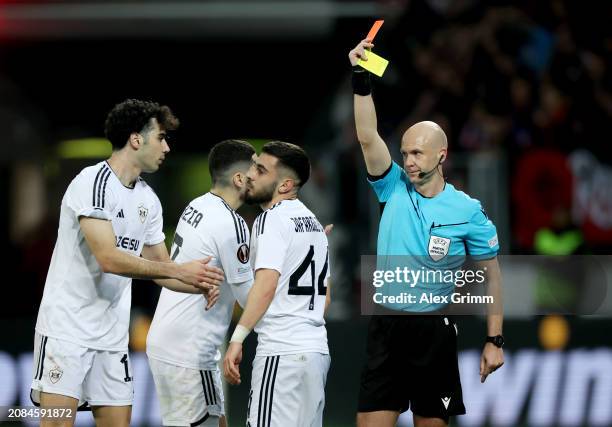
184	338
109	218
288	298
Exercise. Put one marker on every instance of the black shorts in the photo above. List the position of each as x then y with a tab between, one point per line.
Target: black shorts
412	363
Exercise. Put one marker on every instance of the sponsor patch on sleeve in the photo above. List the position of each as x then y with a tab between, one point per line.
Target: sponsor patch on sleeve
493	242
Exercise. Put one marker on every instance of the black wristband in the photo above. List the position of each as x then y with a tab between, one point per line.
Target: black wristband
361	81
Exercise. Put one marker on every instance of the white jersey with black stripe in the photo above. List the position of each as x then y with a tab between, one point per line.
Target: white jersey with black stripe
81	303
288	238
182	332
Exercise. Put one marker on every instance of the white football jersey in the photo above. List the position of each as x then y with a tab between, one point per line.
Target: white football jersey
81	303
182	332
288	238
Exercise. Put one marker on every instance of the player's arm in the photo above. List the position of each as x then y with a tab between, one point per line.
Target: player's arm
159	253
259	299
375	151
100	238
492	356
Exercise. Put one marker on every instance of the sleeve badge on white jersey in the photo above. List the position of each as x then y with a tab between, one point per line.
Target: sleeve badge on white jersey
243	253
142	213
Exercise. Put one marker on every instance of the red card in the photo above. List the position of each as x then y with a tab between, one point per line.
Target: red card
374	29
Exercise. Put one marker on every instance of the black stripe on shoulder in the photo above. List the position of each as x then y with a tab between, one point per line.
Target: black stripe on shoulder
104	187
242	233
233	214
256	224
263	222
242	226
99	189
373	178
93	191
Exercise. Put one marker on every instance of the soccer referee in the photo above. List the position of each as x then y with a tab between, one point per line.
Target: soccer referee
412	359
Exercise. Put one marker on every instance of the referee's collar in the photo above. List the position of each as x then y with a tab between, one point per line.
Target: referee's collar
435	195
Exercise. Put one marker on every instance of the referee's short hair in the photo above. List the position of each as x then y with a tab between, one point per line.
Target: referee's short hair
134	115
291	156
224	155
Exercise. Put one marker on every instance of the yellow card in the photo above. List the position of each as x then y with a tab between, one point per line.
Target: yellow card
375	64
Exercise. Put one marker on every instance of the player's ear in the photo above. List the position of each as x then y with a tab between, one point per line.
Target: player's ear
239	179
135	140
286	186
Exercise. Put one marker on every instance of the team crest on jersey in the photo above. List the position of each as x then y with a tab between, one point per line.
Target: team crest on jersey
142	213
438	247
55	374
243	253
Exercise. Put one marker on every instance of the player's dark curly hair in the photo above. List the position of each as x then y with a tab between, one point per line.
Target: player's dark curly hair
290	156
226	154
134	115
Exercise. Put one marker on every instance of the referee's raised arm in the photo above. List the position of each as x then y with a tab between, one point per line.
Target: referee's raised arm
375	151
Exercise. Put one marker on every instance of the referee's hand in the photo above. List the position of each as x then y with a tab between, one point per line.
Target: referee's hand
492	359
360	52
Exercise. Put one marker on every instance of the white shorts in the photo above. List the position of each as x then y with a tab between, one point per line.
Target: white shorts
187	397
288	390
94	377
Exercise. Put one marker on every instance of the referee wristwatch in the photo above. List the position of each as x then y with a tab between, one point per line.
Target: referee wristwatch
497	340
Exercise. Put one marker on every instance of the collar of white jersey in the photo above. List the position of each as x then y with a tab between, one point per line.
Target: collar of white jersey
286	201
138	179
222	200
